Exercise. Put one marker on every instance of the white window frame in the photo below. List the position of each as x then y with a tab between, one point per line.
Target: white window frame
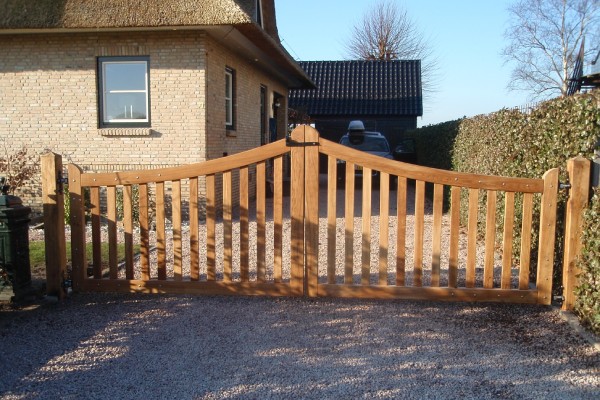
103	92
229	98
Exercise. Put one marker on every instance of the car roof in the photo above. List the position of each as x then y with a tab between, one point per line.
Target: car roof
365	133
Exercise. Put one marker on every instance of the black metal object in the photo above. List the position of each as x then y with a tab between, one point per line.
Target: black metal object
14	241
289	142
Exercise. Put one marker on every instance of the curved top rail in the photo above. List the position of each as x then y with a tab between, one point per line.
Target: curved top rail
238	160
427	174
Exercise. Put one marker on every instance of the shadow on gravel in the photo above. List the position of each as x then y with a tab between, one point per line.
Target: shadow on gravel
156	347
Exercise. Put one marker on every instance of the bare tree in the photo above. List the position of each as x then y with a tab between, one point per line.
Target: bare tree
544	39
386	32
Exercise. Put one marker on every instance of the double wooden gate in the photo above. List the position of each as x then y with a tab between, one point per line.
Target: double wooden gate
267	222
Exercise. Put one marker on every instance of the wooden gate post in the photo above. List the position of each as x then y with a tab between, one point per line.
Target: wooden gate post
54	224
547	237
78	255
579	178
297	211
311	219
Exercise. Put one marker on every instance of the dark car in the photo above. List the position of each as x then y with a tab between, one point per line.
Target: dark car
369	142
405	151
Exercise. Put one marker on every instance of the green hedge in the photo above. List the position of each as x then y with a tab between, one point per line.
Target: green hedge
587	305
512	143
434	143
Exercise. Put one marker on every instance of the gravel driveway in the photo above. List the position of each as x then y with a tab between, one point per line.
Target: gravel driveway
178	347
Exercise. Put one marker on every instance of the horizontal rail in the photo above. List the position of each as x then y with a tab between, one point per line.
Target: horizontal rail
211	288
411	171
186	171
429	293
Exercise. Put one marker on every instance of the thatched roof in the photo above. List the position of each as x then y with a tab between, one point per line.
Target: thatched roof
81	14
31	16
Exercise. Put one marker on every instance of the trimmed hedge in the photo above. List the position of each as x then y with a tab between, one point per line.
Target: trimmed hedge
434	144
587	305
512	143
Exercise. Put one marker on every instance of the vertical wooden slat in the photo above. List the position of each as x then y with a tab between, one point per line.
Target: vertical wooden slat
111	216
472	237
454	236
78	255
227	227
579	177
278	218
438	204
349	225
176	219
161	244
128	226
311	211
401	232
244	225
419	232
507	239
384	213
96	239
366	227
547	237
194	242
261	221
211	211
297	213
525	255
490	239
144	233
54	223
331	218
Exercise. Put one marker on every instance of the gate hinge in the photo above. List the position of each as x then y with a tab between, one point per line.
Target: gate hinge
60	181
564	186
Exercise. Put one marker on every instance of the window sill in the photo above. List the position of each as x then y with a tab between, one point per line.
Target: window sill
230	134
125	131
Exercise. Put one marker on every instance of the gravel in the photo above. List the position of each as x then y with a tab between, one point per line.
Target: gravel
166	346
101	346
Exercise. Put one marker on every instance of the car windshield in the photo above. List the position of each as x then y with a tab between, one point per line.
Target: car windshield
366	143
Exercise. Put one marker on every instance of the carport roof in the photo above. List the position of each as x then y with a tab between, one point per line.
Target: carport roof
370	88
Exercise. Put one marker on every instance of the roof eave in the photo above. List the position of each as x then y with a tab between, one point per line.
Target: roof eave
248	40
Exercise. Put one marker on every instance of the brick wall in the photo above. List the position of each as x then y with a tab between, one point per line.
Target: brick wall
48	99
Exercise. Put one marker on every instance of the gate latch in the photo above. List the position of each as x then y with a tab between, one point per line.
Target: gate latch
289	142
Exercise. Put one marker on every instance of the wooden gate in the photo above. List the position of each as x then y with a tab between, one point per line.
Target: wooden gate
267	222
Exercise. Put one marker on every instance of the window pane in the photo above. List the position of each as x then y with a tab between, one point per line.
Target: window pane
227	85
125	106
125	76
228	112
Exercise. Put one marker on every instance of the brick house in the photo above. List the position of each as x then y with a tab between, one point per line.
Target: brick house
114	84
385	95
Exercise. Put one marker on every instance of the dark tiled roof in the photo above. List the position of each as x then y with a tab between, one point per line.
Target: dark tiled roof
383	88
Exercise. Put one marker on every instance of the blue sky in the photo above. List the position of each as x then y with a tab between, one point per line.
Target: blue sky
466	35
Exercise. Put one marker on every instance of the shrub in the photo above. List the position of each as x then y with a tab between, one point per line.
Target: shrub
18	167
434	144
587	306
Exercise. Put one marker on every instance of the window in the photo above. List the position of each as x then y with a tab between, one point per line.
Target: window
258	13
264	138
123	91
229	98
